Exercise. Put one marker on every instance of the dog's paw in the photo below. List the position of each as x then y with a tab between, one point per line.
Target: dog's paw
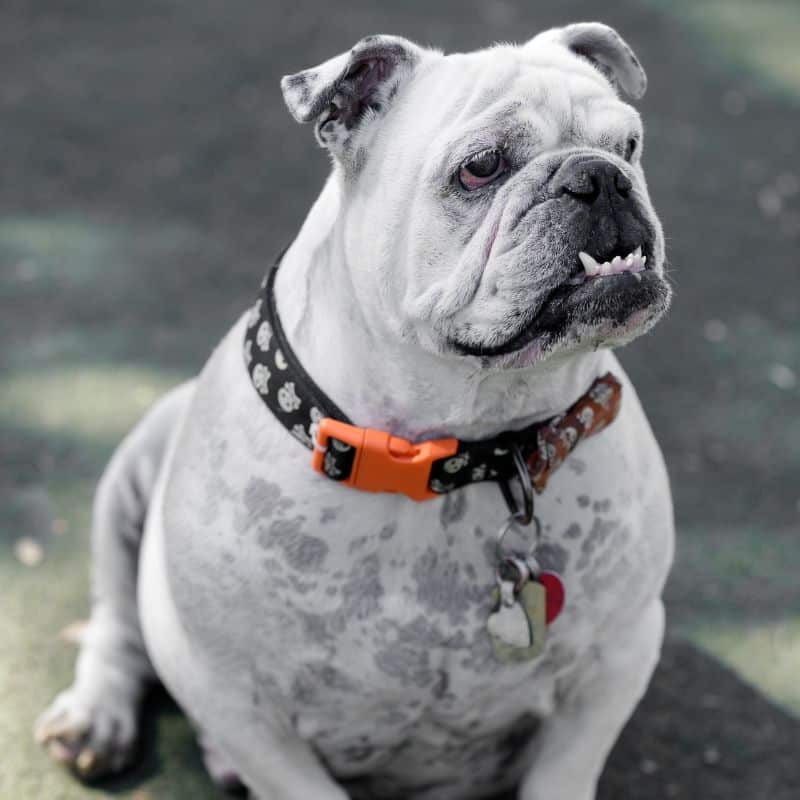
93	736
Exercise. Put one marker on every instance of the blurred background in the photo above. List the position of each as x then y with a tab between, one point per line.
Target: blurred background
148	175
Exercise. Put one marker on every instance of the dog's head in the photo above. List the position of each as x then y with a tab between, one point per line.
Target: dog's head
493	204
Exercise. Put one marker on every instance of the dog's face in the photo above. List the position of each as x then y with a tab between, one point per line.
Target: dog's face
494	205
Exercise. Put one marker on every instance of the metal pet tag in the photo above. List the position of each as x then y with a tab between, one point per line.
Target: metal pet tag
518	631
510	626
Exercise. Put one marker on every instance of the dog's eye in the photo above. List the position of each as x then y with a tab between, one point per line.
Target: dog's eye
630	148
481	169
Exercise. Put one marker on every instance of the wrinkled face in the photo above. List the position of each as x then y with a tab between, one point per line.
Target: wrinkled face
500	213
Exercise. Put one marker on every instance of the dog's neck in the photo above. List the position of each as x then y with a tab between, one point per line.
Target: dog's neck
391	385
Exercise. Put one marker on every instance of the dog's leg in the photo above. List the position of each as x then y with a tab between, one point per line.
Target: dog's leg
572	745
92	726
270	759
276	764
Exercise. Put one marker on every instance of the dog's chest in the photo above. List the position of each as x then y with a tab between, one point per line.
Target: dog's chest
360	619
349	606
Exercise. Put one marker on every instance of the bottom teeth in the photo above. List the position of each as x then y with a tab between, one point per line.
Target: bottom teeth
634	262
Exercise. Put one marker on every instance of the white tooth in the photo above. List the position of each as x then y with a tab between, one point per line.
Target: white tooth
638	251
589	264
644	259
605	268
629	262
637	275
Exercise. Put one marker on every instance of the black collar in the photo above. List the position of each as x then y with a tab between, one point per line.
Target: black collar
377	461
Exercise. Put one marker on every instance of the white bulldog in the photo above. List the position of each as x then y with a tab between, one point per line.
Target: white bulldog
479	247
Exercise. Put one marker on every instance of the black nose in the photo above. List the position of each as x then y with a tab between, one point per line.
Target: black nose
587	179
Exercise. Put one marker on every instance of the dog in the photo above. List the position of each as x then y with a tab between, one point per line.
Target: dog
483	242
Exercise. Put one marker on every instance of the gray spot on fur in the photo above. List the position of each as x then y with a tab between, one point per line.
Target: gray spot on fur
315	628
361	598
573	531
577	465
356	544
407	657
440	588
552	556
423	632
584	500
329	514
303	553
388	530
601	506
601	530
361	592
409	665
306	554
313	682
453	508
260	500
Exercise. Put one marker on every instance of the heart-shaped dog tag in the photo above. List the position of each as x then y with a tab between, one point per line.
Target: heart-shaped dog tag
510	625
554	592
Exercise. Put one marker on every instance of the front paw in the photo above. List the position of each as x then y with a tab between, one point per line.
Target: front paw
91	735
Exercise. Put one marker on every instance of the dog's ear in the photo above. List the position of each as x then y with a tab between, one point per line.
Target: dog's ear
606	49
349	93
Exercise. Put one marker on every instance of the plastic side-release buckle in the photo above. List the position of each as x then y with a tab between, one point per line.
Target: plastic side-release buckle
383	463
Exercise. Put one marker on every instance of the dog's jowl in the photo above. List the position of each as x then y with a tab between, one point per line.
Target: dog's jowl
406	534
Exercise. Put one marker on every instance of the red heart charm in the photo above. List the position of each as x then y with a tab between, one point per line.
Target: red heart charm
554	594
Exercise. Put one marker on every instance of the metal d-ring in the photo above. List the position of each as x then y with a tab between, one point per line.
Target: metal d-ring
523	516
518	516
500	552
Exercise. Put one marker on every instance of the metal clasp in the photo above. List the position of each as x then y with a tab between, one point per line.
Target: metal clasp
523	515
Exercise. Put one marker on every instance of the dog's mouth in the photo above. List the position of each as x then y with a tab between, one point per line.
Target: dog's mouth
633	263
610	290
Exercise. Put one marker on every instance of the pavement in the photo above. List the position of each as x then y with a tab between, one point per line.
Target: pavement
149	172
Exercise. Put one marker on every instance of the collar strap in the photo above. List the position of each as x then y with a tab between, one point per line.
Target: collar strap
376	461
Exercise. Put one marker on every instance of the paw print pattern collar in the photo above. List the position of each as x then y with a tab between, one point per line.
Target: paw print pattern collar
375	461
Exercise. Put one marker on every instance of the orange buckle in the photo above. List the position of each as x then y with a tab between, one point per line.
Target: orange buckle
384	463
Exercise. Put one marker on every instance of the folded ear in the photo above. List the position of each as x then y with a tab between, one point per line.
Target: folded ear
606	49
350	92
